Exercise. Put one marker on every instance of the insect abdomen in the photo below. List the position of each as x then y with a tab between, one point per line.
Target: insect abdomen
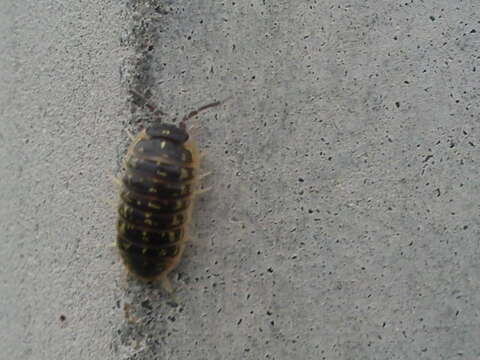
156	200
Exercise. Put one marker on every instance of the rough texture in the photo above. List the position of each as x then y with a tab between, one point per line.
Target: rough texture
61	122
344	217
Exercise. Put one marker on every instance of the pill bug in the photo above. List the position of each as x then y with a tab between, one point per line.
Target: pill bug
157	192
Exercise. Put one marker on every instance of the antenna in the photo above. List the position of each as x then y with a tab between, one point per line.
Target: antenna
156	111
202	108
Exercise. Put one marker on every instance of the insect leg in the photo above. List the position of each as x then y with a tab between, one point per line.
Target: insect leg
116	181
166	284
130	135
200	177
201	156
203	191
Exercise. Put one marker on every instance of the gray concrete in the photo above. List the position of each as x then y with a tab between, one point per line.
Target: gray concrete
344	217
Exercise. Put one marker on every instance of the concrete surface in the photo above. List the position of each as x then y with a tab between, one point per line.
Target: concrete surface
344	220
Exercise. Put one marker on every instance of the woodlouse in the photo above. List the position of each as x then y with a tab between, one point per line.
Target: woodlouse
156	198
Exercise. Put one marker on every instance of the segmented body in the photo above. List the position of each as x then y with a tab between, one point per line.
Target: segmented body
156	201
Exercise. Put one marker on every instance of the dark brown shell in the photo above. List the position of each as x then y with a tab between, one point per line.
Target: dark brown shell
156	200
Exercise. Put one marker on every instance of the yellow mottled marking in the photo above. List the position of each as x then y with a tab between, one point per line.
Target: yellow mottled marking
166	132
153	206
144	251
152	190
163	144
161	173
148	222
184	174
148	215
178	204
